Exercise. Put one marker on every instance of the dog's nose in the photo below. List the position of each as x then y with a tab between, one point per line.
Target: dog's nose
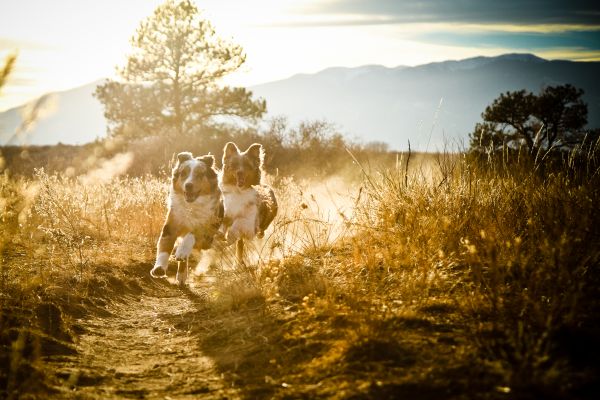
188	187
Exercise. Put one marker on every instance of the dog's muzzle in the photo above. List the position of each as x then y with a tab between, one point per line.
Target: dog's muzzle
190	196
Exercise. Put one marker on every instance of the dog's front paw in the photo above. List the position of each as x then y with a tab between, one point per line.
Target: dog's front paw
158	271
185	247
160	266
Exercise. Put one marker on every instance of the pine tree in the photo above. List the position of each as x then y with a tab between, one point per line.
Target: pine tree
169	84
553	119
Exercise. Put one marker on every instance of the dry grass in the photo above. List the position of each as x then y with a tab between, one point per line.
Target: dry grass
446	279
61	240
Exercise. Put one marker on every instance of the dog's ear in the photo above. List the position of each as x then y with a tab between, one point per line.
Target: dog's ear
256	151
181	157
184	156
229	150
208	159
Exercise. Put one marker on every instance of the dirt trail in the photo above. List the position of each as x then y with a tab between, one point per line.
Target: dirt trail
136	350
150	339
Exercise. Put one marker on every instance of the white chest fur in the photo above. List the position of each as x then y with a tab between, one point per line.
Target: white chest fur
241	209
195	214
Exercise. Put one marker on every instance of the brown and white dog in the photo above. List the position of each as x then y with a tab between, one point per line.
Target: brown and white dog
249	205
195	212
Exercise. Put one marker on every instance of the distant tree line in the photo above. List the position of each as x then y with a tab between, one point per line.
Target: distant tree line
309	149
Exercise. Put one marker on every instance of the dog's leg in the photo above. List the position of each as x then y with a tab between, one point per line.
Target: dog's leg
239	251
185	247
232	235
183	254
163	252
182	272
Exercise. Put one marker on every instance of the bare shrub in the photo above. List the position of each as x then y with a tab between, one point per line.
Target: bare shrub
515	249
81	218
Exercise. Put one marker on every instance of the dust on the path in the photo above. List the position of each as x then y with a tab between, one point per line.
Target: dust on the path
136	349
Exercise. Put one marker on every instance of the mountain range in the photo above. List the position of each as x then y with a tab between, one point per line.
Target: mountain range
431	105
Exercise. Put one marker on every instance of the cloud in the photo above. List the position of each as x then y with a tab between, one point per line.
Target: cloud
574	54
549	26
581	12
517	40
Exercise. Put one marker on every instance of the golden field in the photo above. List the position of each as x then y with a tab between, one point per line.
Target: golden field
435	276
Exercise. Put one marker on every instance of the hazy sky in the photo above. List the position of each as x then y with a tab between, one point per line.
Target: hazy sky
66	43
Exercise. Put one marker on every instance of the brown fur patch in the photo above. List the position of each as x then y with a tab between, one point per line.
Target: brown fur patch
267	208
